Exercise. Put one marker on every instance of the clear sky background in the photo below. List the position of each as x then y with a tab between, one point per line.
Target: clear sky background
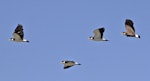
59	30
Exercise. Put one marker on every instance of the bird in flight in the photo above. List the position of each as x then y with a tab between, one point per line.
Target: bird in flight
130	31
68	64
19	34
98	35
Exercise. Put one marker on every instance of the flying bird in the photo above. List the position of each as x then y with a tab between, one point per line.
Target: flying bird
130	31
98	35
68	64
19	34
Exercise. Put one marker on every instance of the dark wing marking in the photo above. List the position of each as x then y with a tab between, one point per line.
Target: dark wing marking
65	67
99	32
129	26
69	64
19	31
102	31
67	61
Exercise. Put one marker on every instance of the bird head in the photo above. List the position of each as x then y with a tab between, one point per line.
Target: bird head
11	39
63	62
124	33
91	38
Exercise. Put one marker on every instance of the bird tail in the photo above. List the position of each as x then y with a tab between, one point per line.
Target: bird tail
105	39
26	40
137	36
77	63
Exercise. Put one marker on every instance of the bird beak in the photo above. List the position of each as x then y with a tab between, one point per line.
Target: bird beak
11	39
89	38
122	33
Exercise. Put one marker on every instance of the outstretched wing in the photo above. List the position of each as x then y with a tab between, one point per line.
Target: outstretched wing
129	26
19	31
68	64
99	32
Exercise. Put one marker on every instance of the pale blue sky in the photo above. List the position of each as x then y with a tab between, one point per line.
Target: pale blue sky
59	30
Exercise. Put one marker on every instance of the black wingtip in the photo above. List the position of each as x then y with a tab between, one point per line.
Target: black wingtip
66	67
19	24
102	29
139	37
78	64
27	41
129	22
106	40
